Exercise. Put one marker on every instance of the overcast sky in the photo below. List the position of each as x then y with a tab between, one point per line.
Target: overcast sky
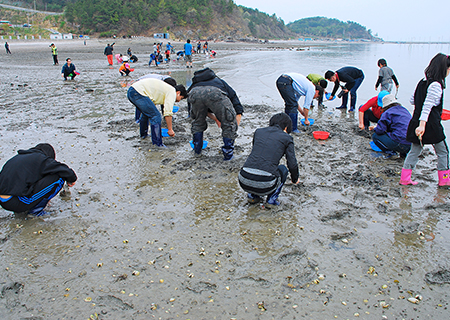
394	20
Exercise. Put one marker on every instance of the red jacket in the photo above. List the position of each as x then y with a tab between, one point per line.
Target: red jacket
372	103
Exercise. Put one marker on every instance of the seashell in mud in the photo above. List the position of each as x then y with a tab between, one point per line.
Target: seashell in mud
342	275
135	273
413	300
100	264
321	277
345	241
384	304
261	306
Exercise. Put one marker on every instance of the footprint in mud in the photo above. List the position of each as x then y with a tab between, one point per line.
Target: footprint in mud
337	215
438	277
409	228
10	292
113	303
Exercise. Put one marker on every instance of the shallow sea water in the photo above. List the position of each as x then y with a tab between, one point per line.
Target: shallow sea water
158	233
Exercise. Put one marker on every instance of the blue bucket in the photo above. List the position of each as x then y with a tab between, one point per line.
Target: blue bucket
328	95
205	144
175	109
165	132
311	121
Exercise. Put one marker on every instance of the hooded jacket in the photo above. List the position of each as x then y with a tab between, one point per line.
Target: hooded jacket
207	77
21	172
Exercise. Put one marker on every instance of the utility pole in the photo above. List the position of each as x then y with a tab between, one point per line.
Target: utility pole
34	4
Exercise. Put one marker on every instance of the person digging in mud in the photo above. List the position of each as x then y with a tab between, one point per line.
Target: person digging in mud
68	70
166	79
213	97
31	178
291	87
145	94
371	111
262	175
353	77
318	80
390	131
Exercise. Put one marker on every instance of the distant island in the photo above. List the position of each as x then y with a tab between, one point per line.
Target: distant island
199	19
321	27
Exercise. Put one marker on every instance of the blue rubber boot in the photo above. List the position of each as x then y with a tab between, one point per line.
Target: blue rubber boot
38	210
272	198
253	198
228	149
294	118
197	140
156	135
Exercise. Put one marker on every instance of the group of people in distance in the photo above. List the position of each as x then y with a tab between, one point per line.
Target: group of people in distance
261	175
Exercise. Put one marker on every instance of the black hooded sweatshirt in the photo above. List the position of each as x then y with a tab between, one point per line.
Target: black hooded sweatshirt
21	172
207	77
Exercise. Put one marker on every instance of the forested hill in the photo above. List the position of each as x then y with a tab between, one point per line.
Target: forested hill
213	19
330	28
182	18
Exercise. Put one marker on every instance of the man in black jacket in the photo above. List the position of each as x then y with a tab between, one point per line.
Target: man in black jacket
353	77
31	178
211	96
262	174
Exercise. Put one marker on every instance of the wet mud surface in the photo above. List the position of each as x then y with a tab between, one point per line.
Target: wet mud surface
150	232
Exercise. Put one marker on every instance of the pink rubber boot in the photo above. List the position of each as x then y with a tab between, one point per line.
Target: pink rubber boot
444	178
405	178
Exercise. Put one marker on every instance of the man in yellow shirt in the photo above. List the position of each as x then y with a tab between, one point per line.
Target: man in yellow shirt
145	94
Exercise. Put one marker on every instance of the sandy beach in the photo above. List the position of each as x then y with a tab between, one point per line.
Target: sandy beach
153	232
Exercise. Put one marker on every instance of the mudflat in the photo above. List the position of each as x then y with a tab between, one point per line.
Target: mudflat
152	232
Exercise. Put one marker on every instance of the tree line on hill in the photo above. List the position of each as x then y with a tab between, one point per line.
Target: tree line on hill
201	18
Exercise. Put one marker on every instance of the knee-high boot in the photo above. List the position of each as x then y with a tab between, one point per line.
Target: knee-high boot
197	140
228	148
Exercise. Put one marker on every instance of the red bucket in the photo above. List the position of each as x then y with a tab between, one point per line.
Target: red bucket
321	135
445	114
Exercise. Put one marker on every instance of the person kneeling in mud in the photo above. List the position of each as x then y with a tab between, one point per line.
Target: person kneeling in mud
213	97
262	175
145	94
390	131
125	68
68	70
31	178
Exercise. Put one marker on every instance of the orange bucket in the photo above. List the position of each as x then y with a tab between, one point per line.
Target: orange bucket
321	135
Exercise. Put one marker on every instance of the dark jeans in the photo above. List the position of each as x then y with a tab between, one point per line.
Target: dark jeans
284	86
72	75
147	108
369	117
55	59
352	92
203	98
385	143
46	188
